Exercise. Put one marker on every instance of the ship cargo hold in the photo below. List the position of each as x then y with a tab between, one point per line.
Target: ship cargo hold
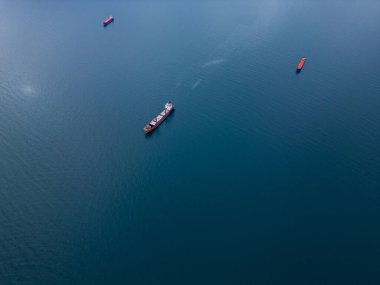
152	125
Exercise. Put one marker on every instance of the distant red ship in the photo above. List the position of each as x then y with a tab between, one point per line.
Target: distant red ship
301	64
108	21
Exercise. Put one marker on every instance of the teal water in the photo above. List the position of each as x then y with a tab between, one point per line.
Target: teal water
261	175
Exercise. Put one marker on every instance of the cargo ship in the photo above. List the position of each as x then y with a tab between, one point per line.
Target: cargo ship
301	64
108	21
150	127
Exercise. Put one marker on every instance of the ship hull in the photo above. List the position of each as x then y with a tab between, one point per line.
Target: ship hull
108	21
158	123
301	64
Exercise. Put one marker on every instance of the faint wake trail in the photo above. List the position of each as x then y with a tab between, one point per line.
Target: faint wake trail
195	85
213	62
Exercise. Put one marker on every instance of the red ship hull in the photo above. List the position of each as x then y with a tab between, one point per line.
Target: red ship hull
108	21
301	64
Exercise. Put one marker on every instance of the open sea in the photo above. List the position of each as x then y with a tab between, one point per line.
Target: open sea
260	176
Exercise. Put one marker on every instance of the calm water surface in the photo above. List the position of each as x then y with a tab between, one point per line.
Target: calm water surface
261	176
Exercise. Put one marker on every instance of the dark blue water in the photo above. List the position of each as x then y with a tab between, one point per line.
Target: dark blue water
261	175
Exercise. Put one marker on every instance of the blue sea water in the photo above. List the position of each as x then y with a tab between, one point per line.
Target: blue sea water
260	176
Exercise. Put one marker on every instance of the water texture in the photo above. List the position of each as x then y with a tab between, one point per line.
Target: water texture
260	176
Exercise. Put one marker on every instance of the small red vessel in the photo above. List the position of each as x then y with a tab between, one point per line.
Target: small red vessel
301	64
108	21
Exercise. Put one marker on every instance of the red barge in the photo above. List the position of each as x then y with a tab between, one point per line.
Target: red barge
150	127
301	64
108	21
